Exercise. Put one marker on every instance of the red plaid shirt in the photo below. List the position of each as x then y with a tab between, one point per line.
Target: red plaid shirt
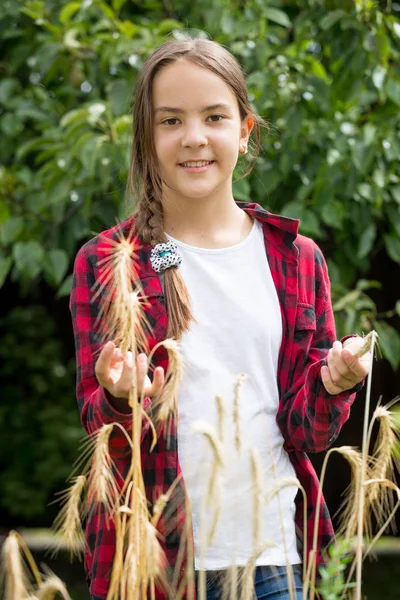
309	418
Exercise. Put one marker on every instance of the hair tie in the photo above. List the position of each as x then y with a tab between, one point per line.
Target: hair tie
165	255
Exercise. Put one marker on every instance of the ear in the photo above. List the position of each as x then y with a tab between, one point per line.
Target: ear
245	130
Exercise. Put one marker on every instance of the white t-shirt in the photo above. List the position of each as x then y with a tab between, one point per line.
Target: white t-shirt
238	330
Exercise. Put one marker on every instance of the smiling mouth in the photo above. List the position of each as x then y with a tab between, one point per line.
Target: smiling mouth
196	163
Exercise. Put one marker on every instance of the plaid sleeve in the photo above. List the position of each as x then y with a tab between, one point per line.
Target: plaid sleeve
95	408
309	417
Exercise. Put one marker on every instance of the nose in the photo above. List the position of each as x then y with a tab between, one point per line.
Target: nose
194	135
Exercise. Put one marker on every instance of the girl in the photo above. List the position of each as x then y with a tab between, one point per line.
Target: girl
243	292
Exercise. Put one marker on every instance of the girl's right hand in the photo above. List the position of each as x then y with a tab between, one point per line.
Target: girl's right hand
115	372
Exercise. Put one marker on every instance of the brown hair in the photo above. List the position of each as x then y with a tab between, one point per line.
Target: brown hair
144	180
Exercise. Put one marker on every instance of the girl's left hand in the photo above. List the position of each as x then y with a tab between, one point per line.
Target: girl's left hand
344	369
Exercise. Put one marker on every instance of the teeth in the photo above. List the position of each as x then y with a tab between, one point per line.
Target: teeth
197	163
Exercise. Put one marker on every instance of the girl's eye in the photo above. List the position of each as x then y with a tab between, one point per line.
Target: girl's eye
216	118
171	121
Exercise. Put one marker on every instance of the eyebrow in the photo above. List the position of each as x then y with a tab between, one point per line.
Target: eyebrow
171	109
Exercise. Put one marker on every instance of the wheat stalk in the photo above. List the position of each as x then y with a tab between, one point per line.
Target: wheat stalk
16	581
256	472
165	405
380	498
363	473
103	487
211	435
68	521
51	587
349	516
122	301
247	576
237	388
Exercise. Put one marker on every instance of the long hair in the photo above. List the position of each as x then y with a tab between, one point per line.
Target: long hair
144	180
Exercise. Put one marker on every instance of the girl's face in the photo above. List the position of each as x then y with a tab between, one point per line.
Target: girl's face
197	132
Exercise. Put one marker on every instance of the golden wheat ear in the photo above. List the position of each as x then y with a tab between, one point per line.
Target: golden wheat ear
381	498
122	301
366	347
349	509
16	578
68	522
165	405
102	486
52	588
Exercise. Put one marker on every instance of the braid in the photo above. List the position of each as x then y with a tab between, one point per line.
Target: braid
150	221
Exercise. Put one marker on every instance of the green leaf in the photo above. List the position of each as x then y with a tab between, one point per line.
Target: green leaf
392	244
8	90
333	214
118	4
68	11
388	342
5	266
56	265
277	16
11	229
65	287
395	191
29	257
366	242
119	93
393	90
331	18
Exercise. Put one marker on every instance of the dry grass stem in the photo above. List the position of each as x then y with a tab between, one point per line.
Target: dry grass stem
229	582
165	405
247	575
51	587
237	388
155	558
256	473
15	577
221	417
210	434
349	516
103	488
366	347
214	501
380	497
279	485
69	520
122	299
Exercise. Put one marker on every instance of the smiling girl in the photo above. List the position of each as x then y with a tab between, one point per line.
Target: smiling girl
244	293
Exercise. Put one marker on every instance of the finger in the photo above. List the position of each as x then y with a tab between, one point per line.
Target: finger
358	366
141	371
340	373
329	385
336	350
343	379
157	383
124	383
103	362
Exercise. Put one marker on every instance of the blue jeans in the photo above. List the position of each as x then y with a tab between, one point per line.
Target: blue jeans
270	583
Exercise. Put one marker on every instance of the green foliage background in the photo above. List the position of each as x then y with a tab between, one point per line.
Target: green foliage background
325	75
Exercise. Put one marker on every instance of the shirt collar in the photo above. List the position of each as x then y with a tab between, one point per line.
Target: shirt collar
280	232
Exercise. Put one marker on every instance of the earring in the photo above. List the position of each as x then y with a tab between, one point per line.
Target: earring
243	148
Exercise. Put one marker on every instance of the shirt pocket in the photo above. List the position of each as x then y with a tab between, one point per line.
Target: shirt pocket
305	325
